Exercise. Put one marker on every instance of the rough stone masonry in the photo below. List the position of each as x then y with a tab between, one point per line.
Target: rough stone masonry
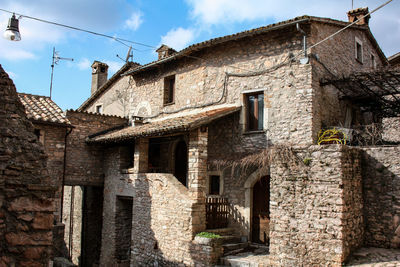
26	197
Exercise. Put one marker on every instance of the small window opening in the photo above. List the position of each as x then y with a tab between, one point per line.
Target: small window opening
169	88
255	111
373	62
40	135
99	109
155	157
214	185
155	245
359	54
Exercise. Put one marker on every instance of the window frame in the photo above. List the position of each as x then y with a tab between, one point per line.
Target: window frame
169	93
358	44
373	61
221	182
248	126
97	108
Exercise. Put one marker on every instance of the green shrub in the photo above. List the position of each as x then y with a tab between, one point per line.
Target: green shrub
208	235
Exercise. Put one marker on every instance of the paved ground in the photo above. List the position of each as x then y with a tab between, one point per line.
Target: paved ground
364	257
375	257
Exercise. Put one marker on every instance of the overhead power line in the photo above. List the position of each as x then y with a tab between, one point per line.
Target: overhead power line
120	40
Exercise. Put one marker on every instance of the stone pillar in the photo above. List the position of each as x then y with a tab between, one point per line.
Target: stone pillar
197	171
141	156
197	160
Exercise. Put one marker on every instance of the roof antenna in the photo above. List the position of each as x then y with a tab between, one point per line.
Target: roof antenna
56	59
129	55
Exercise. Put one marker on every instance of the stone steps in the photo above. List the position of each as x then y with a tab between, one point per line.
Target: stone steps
234	248
245	255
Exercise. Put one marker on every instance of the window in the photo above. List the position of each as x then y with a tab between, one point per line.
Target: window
255	111
169	88
373	62
40	135
214	185
99	109
358	50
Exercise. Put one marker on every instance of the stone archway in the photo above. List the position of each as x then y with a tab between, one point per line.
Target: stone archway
249	185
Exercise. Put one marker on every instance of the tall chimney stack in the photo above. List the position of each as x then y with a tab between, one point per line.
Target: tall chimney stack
358	14
99	75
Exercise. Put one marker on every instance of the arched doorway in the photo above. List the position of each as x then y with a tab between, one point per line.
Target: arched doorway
260	211
181	162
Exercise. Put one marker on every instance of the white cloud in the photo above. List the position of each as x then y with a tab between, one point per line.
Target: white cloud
385	23
84	64
178	38
103	17
113	66
134	21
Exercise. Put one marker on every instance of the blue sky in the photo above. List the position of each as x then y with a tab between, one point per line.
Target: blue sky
177	23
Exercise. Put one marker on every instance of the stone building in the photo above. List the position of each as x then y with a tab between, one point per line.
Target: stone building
27	191
223	134
394	60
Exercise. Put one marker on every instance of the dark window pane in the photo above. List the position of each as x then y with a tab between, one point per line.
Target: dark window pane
255	112
214	185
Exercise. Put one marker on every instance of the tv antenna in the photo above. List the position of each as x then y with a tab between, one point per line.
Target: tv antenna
56	59
129	55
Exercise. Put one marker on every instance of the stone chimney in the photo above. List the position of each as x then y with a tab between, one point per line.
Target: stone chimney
99	75
358	14
165	51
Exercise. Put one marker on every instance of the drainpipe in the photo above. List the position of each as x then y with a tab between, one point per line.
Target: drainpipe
67	132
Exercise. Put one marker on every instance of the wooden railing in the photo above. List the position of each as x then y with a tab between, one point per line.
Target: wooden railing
217	211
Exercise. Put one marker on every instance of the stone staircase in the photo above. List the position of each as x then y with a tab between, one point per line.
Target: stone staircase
239	252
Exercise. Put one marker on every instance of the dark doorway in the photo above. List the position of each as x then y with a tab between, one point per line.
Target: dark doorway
260	225
123	229
92	222
181	162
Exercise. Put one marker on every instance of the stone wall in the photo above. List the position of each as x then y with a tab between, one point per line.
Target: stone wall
381	191
391	129
123	228
316	210
165	215
72	219
202	82
115	100
26	192
83	162
54	145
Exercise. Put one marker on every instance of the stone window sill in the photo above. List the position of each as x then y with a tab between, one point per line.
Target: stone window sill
127	171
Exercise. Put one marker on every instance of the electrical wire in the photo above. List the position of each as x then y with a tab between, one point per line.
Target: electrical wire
120	40
339	31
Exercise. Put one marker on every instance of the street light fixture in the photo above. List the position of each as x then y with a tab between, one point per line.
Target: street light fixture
12	31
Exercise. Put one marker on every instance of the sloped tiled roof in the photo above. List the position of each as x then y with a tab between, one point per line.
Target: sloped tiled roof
42	109
248	33
163	127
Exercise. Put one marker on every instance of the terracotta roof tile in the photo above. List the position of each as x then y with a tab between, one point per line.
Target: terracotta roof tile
42	109
163	127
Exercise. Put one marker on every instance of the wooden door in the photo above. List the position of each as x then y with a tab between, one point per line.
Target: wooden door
260	223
